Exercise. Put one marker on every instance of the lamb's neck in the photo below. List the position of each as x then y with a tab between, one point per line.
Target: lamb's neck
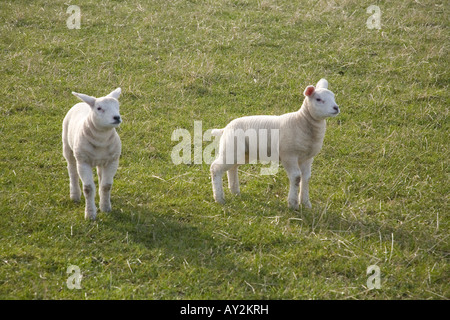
310	125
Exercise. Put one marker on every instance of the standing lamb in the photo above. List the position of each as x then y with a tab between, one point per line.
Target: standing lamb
90	140
300	135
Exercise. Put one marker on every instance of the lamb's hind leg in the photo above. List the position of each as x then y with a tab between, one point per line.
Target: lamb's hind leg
233	179
305	168
75	191
218	168
293	172
106	176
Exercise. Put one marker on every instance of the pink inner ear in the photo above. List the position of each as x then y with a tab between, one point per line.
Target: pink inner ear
309	90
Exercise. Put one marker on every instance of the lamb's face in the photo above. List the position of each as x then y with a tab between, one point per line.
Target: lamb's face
106	112
321	101
323	104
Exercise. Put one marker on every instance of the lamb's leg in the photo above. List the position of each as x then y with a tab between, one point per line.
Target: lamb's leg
305	168
100	193
218	168
233	179
85	172
293	172
106	176
75	191
99	174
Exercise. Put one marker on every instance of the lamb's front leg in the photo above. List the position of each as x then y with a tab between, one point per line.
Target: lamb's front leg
293	172
85	173
305	168
106	176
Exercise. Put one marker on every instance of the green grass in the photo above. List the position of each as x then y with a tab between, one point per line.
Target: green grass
379	189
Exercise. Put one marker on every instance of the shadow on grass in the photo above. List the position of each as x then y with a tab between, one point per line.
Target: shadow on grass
204	260
381	227
324	219
177	237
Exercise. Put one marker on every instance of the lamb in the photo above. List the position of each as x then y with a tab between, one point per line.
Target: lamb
90	140
300	138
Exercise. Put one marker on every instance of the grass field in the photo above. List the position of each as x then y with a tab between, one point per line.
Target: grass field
379	189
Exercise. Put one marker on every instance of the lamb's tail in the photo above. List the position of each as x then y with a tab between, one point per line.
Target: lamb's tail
217	132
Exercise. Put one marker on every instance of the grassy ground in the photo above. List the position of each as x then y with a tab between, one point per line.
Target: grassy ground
379	188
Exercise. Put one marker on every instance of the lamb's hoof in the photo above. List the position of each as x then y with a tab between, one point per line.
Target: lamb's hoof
220	200
75	198
90	214
106	208
293	205
307	205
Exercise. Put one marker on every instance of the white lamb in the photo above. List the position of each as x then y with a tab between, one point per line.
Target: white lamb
300	137
90	140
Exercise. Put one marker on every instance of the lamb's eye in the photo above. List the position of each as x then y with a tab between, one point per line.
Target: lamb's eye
99	108
318	99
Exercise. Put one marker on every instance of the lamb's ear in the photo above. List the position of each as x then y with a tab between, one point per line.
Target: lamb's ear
88	99
309	91
115	94
323	83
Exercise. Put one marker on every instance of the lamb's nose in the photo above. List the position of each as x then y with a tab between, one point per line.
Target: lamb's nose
336	108
117	118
